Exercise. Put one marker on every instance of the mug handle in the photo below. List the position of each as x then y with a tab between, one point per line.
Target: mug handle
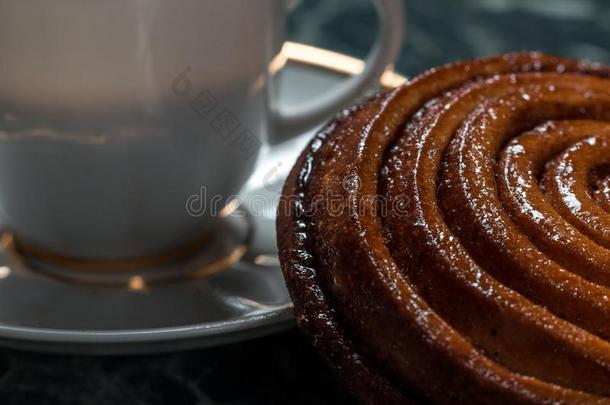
287	122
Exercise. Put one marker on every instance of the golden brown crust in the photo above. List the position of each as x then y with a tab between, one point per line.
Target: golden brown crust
464	280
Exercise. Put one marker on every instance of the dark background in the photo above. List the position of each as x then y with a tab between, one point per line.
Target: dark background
283	369
441	31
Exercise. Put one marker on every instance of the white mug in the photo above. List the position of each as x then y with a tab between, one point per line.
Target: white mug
112	113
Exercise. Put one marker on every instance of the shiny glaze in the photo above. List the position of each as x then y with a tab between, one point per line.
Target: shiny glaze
493	282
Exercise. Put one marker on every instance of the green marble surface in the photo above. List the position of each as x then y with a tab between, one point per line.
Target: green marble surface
283	369
441	31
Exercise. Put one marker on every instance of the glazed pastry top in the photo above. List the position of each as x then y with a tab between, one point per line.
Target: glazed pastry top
450	238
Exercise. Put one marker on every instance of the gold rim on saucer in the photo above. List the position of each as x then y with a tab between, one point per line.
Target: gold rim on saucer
331	60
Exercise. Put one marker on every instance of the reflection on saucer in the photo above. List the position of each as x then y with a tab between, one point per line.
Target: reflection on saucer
211	253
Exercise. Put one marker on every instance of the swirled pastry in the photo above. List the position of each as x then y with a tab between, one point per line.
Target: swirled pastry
449	240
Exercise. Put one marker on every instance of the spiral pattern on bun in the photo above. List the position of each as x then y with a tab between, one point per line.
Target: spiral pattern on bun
481	273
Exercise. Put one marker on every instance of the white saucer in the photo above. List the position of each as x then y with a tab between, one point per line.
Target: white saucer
247	299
